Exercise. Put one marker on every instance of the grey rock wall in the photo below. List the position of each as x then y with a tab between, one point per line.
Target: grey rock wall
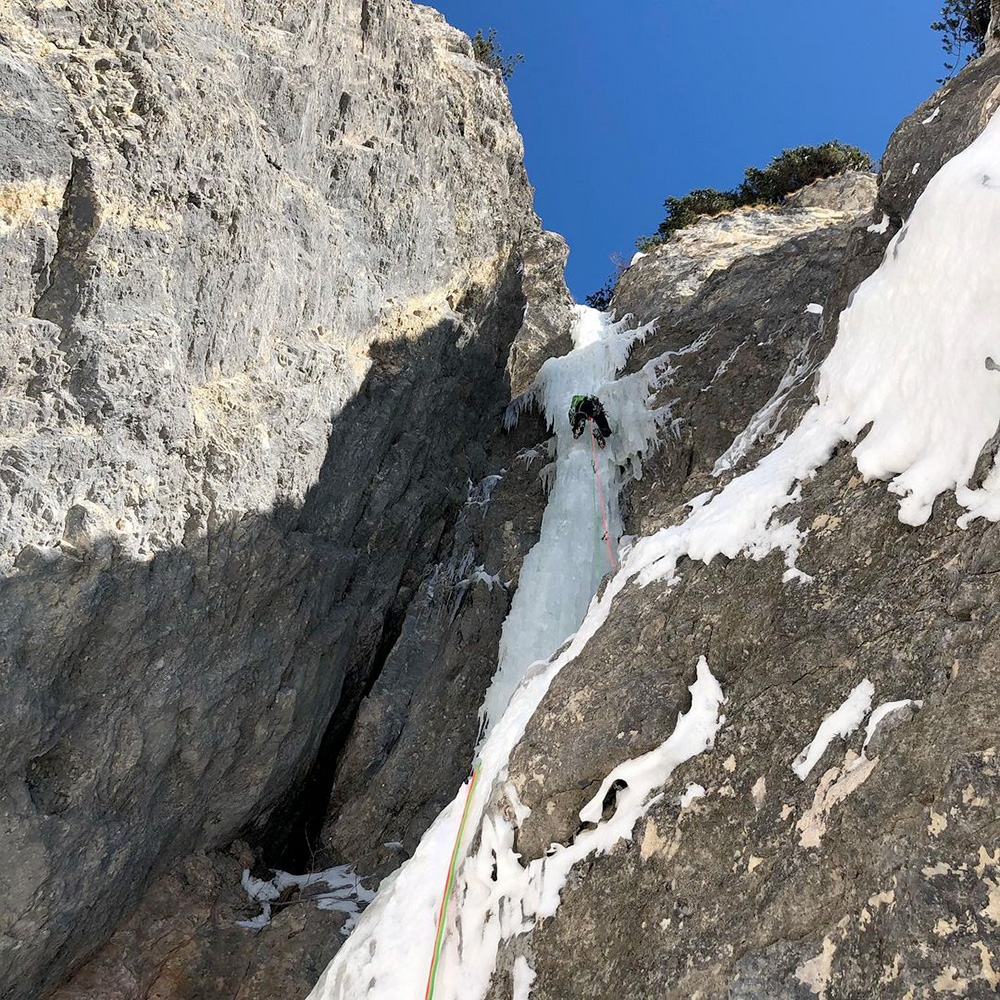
206	213
261	268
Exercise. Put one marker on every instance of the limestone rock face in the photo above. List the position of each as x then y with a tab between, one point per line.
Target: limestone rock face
665	281
852	192
261	269
206	213
876	874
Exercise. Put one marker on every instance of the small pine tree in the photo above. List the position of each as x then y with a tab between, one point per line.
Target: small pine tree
601	299
488	50
682	212
963	26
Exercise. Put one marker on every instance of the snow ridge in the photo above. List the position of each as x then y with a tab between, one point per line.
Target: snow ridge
843	722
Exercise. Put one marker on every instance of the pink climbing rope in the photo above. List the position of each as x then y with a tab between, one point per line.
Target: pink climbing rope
600	493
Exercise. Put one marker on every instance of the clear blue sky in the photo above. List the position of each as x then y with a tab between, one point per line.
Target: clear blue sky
623	104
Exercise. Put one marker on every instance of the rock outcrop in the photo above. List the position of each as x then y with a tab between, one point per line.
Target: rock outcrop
185	941
261	269
993	32
875	873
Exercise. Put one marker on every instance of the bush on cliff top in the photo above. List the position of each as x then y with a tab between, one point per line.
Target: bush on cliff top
792	170
488	50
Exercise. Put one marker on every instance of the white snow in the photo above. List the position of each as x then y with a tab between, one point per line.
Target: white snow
881	712
815	308
479	575
724	367
842	722
524	979
931	116
481	493
880	228
691	794
916	167
739	519
556	585
910	356
345	893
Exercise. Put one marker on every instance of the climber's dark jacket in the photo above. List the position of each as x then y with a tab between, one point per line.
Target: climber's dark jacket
584	408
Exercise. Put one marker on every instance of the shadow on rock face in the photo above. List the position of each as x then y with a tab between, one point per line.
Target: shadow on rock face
153	708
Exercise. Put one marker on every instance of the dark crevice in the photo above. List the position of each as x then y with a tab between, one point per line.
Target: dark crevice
436	383
292	837
366	22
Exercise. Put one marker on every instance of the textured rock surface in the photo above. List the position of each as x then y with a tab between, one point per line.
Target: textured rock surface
183	942
851	192
547	317
672	273
993	33
876	875
206	213
745	329
415	733
261	267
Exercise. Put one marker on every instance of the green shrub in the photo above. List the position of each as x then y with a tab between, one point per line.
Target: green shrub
601	299
963	27
488	50
793	169
682	212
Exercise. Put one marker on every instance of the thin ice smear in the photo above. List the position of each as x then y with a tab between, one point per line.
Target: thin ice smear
343	893
766	420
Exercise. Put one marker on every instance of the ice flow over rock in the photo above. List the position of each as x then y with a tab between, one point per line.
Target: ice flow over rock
389	954
911	354
561	573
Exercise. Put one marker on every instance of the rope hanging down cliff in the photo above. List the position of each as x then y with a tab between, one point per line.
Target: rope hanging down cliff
599	486
448	886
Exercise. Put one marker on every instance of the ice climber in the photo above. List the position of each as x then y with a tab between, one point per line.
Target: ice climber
584	408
